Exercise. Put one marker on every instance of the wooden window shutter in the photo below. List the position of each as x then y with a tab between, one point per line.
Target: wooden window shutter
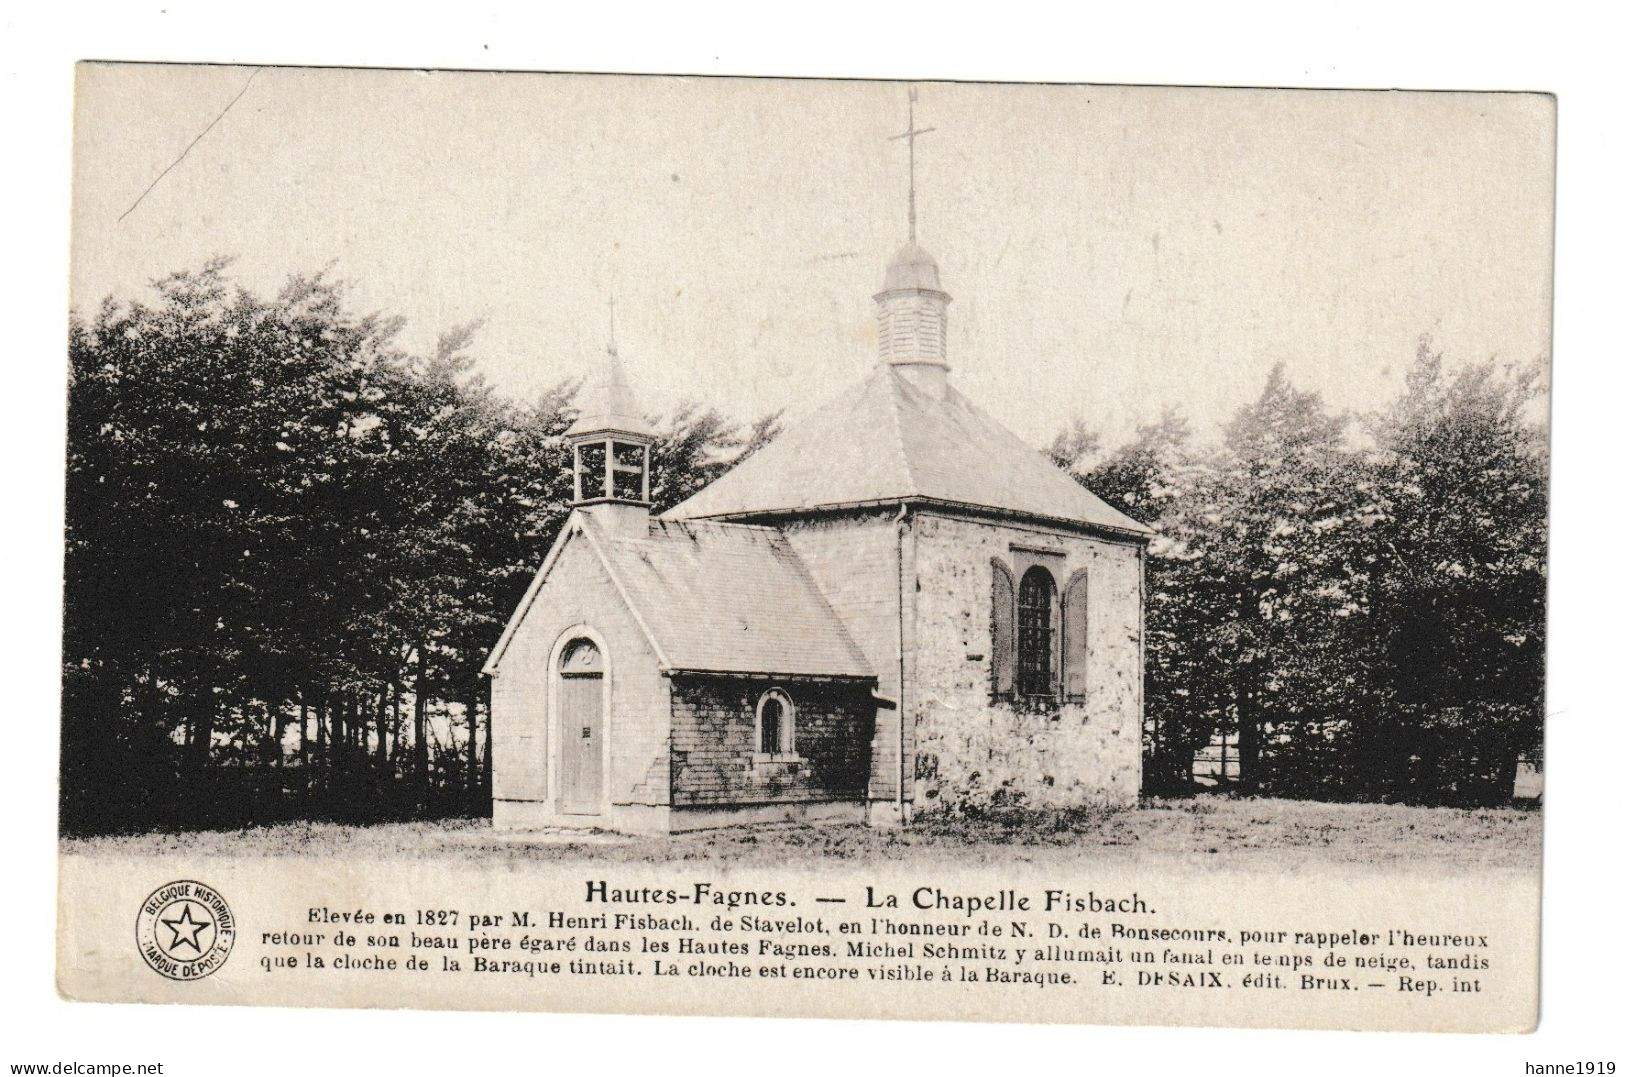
1002	647
1075	638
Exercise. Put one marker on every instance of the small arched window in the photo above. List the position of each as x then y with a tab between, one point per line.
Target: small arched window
1035	634
775	723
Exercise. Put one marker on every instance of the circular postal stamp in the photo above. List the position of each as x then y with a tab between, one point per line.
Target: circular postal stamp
185	930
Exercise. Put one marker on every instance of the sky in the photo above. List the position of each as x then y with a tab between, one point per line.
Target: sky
1110	251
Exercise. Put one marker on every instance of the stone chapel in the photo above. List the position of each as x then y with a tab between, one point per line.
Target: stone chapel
894	607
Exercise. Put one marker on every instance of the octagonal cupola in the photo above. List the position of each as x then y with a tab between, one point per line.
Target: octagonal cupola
913	312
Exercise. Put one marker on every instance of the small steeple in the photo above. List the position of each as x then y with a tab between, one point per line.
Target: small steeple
612	444
913	308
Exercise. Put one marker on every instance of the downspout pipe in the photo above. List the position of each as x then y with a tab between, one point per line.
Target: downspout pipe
902	529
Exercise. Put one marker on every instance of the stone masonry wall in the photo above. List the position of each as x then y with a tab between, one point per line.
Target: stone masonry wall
713	738
972	751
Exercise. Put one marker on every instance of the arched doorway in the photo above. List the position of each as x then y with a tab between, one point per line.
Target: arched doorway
581	727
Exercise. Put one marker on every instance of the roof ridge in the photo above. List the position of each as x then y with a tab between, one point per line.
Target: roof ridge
706	521
897	426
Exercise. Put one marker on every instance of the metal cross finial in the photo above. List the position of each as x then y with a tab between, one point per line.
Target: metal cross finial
911	134
612	323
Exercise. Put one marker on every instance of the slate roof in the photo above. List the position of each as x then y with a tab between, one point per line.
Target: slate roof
718	597
731	598
886	440
608	404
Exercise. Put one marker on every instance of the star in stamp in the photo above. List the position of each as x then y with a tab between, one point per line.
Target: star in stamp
185	930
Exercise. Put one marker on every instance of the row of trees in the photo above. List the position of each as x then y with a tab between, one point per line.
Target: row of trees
1356	602
290	543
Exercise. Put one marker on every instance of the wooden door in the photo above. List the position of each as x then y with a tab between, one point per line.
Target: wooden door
581	730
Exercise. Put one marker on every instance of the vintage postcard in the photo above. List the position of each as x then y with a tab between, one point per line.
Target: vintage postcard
1049	553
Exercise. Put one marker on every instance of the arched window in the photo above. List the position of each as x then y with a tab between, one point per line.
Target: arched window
581	659
775	723
1035	634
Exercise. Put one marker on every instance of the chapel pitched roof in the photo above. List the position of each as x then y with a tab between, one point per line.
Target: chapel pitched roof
718	598
731	598
886	440
608	404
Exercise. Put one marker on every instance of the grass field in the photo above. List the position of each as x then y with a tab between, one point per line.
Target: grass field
1196	832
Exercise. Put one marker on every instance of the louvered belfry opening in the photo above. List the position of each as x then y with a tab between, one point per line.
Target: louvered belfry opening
913	313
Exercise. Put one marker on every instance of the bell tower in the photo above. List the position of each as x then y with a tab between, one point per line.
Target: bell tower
611	444
914	320
913	308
